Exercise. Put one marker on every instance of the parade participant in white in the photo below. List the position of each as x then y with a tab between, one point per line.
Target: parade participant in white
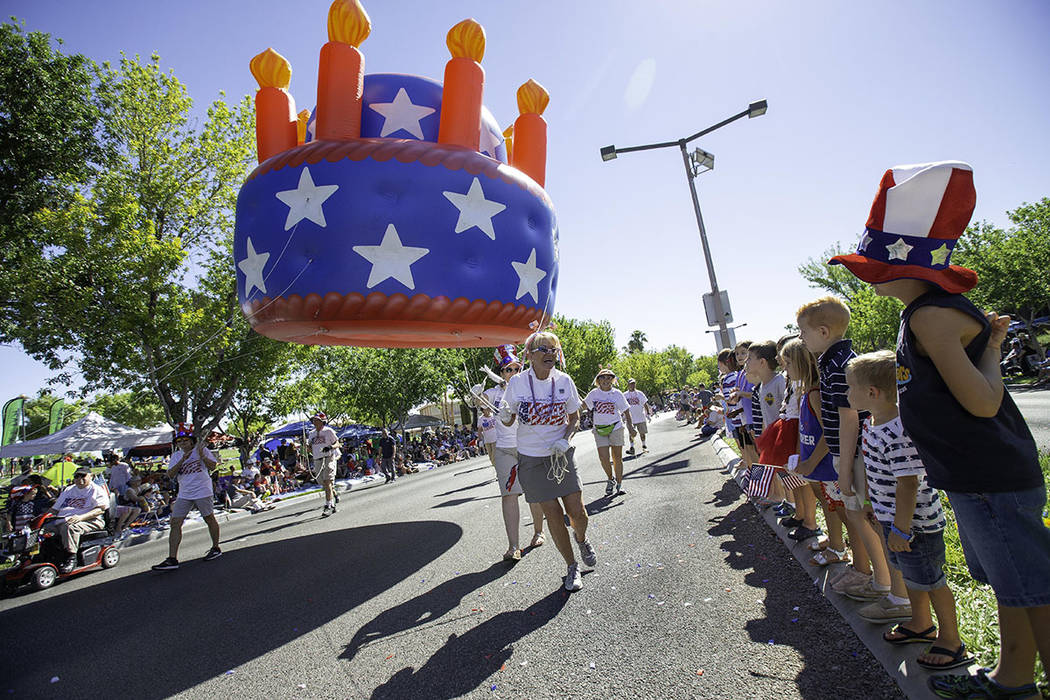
608	406
545	404
639	404
79	509
505	459
191	463
324	447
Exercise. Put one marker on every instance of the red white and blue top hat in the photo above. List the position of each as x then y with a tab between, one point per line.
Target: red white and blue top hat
505	354
917	217
183	430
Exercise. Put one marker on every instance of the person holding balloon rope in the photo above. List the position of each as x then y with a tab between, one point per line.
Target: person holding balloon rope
504	457
545	404
324	447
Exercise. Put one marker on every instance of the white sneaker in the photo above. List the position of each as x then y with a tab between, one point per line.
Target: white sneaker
587	553
573	580
610	486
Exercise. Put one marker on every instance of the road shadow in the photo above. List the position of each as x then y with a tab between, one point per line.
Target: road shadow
465	488
834	662
467	660
603	503
453	502
423	609
224	613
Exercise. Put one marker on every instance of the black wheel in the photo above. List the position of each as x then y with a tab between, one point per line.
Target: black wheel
44	577
110	558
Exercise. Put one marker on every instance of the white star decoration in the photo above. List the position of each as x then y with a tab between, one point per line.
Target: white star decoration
899	250
529	277
474	209
864	241
252	267
304	202
391	259
489	141
402	114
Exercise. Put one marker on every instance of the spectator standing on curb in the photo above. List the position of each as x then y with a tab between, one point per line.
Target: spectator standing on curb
966	428
639	408
324	447
191	463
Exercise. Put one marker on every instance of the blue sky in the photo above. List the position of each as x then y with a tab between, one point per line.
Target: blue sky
852	89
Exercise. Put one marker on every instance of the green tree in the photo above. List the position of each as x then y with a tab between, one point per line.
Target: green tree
1012	265
637	342
680	363
135	409
135	283
589	345
38	414
53	141
647	367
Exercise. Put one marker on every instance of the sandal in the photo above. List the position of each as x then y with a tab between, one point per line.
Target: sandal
829	556
907	636
512	555
958	658
538	539
818	546
977	686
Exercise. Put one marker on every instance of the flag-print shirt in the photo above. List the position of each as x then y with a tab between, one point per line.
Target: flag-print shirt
606	406
888	455
74	501
543	409
194	480
636	400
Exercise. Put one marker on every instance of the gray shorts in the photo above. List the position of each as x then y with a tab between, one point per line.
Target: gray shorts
614	439
639	428
181	507
326	472
537	482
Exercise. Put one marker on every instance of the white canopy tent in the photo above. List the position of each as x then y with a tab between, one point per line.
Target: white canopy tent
92	432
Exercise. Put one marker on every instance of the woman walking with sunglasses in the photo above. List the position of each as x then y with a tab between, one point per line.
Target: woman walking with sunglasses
546	405
505	459
608	405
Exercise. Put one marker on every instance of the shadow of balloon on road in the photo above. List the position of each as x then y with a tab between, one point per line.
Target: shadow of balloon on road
225	613
467	660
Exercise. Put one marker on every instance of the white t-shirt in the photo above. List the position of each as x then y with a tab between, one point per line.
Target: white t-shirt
543	409
119	475
249	473
770	395
606	406
636	400
506	435
320	439
194	480
488	428
74	501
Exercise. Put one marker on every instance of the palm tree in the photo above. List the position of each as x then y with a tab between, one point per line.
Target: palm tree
636	342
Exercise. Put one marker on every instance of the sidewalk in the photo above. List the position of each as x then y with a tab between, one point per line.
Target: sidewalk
899	661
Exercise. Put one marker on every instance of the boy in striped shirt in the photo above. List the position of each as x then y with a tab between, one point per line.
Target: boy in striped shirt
910	515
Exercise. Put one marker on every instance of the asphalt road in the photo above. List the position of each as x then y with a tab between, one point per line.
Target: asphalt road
1035	407
402	594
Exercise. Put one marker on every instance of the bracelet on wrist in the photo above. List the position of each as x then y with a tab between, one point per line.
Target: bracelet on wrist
906	536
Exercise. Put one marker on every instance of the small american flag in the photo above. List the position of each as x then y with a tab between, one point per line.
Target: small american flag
791	480
761	477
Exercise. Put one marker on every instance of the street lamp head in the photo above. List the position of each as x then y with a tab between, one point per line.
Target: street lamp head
756	109
608	152
703	159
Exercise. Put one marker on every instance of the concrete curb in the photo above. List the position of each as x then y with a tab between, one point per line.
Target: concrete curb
899	661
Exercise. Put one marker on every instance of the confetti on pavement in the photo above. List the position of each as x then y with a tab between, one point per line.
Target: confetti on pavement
54	679
593	666
700	672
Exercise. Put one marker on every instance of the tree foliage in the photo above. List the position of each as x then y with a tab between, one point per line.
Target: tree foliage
589	346
637	342
130	279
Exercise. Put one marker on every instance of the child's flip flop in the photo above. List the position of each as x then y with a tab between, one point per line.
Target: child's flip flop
908	636
957	658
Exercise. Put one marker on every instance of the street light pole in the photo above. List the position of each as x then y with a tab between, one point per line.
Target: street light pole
755	109
723	332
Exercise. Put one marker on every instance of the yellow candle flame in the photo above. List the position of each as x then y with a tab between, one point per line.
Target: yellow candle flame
532	98
467	40
271	69
300	126
348	22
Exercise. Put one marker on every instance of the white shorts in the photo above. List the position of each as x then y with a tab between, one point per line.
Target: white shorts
860	483
326	470
638	428
613	439
505	459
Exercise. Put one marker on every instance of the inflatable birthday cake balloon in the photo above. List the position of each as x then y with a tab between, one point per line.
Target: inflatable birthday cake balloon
397	214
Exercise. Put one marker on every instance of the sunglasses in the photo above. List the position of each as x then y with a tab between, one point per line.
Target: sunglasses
510	369
544	349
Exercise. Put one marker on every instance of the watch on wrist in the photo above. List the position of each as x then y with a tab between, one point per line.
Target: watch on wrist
906	536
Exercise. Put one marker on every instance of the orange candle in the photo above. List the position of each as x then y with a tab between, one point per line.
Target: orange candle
341	74
464	84
300	126
508	141
275	120
530	132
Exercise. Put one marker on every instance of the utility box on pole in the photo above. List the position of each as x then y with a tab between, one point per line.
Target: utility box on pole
732	339
712	314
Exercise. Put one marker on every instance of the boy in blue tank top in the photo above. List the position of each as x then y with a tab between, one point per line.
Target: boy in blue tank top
965	426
